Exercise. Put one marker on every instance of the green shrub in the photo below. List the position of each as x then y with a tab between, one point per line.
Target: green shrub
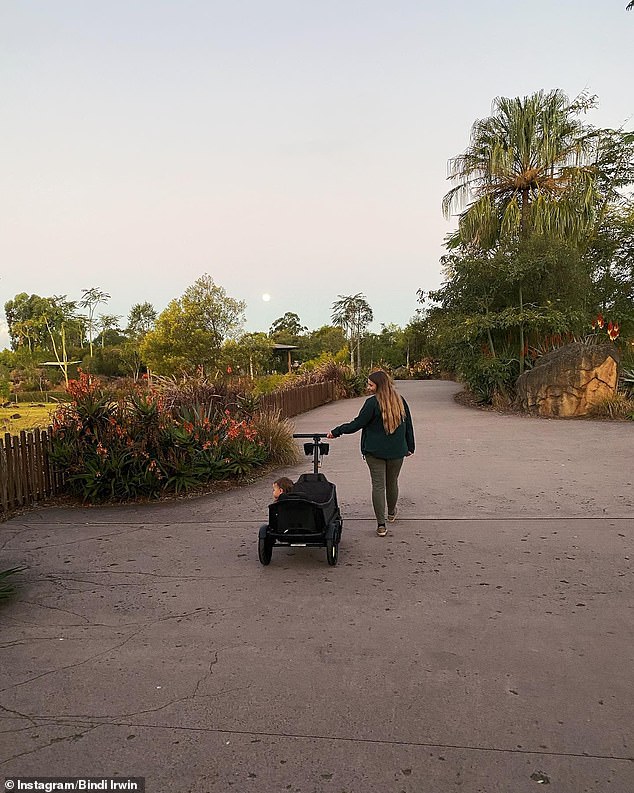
269	383
425	369
340	358
342	375
354	384
487	377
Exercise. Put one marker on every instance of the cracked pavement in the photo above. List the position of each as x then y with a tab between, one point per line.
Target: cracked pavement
485	645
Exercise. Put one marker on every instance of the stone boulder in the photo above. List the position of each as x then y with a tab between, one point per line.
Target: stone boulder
569	381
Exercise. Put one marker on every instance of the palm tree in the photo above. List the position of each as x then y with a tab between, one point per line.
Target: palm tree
528	169
107	322
353	314
90	299
630	6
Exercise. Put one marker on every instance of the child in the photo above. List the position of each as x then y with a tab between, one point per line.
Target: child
280	486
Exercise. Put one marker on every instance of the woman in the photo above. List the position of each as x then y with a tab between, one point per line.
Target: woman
387	436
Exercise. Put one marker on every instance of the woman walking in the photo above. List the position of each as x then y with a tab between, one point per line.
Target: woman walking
387	436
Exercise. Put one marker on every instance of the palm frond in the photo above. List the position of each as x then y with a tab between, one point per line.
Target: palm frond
531	150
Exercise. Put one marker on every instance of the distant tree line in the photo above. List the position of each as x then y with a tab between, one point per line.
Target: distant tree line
200	331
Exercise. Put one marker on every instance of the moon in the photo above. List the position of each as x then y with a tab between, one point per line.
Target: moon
266	297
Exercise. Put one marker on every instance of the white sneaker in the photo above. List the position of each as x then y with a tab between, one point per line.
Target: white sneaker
381	530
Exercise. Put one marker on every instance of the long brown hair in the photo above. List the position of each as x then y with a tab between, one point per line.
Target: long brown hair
390	401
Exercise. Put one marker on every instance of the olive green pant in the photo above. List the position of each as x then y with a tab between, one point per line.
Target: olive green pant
384	476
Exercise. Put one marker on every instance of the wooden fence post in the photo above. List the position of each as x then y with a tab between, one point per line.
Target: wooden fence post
4	478
26	472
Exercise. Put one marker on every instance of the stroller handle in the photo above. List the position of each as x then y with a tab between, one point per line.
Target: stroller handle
315	448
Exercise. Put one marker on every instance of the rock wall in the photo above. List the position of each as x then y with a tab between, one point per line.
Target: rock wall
569	381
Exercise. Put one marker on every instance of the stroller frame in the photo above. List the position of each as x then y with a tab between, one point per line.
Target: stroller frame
308	516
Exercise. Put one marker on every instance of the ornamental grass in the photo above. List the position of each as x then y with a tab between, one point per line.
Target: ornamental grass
7	589
276	435
616	406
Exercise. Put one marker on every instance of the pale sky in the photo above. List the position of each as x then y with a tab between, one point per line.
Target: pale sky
291	147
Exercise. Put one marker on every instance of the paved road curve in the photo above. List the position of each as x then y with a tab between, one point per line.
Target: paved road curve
484	645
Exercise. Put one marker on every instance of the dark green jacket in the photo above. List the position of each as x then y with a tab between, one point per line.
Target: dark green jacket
374	439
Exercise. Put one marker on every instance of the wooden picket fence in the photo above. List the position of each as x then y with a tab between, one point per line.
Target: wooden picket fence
292	401
26	473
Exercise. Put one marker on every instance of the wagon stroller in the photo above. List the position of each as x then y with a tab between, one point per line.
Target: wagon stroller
308	516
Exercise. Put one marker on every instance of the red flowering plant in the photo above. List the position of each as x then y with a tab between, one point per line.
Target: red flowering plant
612	329
142	441
102	445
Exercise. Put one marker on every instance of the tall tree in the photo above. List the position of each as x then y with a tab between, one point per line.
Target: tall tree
527	169
220	315
329	339
105	323
24	319
353	314
611	259
141	319
287	328
60	348
251	352
191	330
63	326
90	299
31	317
387	347
615	171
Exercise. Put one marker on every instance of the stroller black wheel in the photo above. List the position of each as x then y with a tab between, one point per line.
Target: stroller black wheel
265	550
332	552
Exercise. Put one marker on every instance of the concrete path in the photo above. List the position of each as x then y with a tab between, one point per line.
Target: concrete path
486	645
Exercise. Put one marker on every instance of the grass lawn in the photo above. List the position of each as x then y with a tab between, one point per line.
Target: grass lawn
31	415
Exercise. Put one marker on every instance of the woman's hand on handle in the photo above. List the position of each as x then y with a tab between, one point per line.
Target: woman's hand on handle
330	435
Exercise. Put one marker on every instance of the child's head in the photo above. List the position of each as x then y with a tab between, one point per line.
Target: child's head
282	485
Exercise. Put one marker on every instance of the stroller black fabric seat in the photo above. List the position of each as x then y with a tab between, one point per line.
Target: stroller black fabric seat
309	507
308	516
311	487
